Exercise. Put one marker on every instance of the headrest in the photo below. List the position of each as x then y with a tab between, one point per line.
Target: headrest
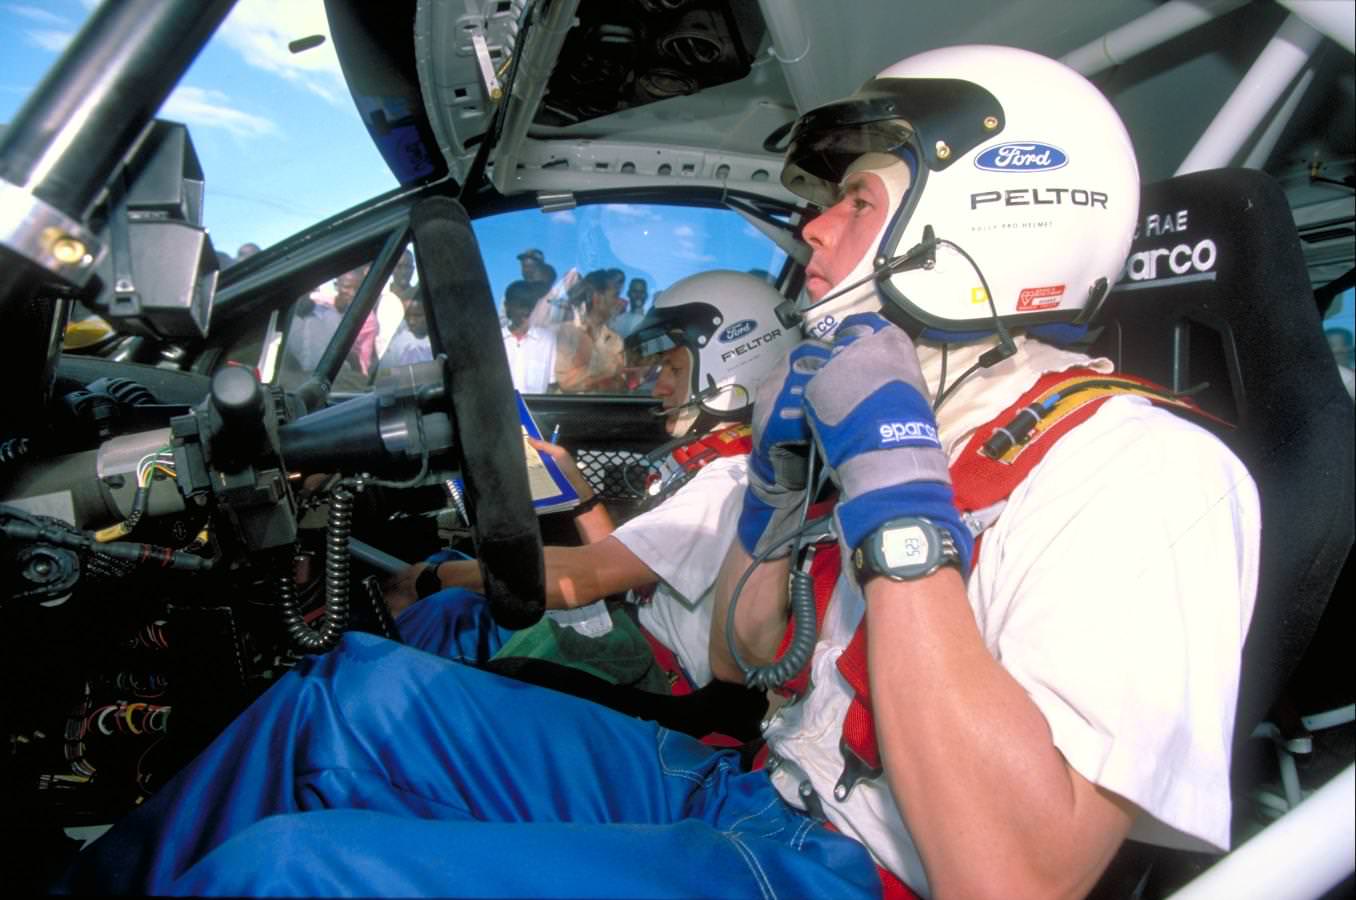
1215	301
1216	266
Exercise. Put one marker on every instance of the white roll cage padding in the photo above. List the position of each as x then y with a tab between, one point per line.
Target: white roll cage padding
1282	66
1303	854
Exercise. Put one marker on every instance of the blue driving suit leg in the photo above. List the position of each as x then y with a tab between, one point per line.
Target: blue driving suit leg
379	770
455	624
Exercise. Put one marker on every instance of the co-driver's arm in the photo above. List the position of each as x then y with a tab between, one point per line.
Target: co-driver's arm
575	576
569	576
594	523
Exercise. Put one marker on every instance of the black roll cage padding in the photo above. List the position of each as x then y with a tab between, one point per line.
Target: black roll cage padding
461	314
942	119
315	390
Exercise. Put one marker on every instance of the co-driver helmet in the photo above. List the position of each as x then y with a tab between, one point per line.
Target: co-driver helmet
728	323
1014	161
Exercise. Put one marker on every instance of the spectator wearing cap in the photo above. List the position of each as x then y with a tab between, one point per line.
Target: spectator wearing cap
533	263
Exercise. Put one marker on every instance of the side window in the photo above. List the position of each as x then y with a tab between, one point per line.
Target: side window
1338	327
393	334
571	285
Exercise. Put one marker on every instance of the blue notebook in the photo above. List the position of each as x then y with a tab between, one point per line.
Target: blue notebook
551	490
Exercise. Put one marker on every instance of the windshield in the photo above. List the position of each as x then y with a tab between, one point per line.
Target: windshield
565	341
277	133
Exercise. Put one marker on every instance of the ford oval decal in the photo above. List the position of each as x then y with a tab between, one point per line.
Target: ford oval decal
1021	156
737	330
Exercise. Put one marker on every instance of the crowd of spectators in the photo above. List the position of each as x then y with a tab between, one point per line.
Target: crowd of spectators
561	333
565	334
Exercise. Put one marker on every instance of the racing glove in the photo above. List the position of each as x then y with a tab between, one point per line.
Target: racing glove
777	466
869	413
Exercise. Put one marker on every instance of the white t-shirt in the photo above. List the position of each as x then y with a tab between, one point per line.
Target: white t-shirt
405	349
684	541
1116	588
531	359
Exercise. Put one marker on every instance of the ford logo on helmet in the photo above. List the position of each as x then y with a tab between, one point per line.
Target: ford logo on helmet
1021	156
737	330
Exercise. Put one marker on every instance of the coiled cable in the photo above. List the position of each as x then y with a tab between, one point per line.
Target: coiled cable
335	617
14	449
801	598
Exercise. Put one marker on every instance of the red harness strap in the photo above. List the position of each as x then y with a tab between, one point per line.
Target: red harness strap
712	446
998	457
685	459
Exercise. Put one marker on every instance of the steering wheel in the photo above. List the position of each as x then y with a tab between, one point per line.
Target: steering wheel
461	316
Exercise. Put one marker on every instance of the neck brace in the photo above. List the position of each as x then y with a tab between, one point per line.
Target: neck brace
822	321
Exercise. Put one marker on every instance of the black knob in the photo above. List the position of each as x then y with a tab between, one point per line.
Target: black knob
237	396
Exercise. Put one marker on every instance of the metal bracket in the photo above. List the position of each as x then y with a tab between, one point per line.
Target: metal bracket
46	236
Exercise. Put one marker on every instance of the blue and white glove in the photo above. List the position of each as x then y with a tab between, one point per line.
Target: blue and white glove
870	416
781	437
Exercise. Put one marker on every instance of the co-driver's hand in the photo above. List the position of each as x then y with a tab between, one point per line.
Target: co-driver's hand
567	465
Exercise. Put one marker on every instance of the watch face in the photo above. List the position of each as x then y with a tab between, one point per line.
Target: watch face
906	547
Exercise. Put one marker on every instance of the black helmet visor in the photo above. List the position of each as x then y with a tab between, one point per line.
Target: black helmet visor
663	328
942	119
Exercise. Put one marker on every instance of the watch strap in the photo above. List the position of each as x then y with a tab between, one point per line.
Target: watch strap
427	582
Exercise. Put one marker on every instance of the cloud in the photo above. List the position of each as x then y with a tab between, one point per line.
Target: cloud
684	231
689	252
259	30
36	14
212	109
562	217
48	39
631	210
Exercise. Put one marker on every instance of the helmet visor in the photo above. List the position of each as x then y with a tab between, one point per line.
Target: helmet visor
941	118
687	325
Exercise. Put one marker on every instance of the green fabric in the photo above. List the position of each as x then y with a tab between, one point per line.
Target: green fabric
622	656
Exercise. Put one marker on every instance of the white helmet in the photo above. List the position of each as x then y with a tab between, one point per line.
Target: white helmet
1013	159
728	321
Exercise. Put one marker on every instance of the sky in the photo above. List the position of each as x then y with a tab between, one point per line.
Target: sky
277	134
282	147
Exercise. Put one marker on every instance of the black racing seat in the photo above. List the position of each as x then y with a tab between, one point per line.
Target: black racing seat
1216	302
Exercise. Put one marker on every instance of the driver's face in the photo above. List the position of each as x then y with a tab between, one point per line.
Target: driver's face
672	383
841	234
